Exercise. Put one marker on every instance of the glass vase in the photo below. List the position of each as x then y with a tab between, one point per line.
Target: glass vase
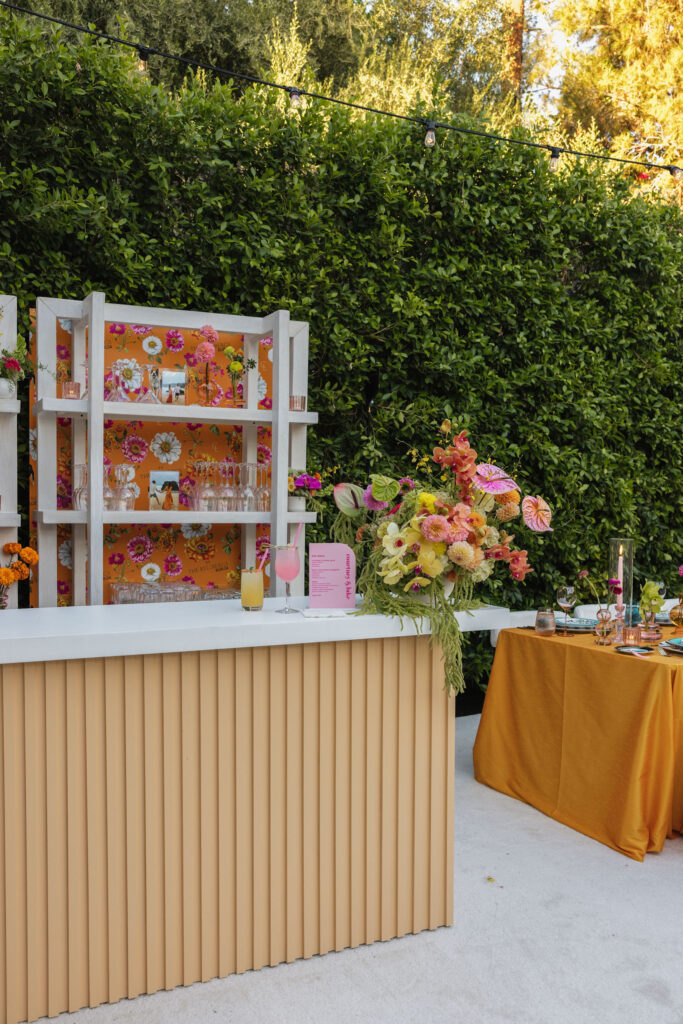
604	628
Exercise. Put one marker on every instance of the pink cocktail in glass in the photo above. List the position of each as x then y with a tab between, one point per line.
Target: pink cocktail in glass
287	567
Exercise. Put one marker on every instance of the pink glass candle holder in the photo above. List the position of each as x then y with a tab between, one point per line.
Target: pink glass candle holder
71	389
297	403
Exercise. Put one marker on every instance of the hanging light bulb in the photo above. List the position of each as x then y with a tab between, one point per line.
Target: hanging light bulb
430	137
143	57
676	172
554	159
295	99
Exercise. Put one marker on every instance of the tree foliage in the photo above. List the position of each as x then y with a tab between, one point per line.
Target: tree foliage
624	74
541	311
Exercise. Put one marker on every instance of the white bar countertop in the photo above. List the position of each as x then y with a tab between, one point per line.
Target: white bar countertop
110	631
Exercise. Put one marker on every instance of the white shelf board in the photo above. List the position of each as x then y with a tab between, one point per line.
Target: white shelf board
49	517
303	417
141	516
184	413
61	406
10	405
10	519
160	413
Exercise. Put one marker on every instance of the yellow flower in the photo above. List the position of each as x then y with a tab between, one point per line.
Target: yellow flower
421	581
290	484
427	500
235	367
430	559
391	570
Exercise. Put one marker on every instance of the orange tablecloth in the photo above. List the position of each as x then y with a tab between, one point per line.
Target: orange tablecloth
590	737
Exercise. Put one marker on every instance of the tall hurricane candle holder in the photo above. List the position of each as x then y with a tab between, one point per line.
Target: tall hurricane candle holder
621	568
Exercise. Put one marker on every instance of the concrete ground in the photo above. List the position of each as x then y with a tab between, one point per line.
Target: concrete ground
550	928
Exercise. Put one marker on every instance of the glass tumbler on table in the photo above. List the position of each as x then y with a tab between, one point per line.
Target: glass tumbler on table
287	567
566	598
545	622
251	589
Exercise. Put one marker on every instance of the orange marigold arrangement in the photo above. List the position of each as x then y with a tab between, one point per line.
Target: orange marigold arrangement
17	569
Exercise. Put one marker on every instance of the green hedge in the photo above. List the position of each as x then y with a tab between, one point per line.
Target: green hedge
542	311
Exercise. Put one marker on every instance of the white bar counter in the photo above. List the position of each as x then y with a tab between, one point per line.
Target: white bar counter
108	631
189	791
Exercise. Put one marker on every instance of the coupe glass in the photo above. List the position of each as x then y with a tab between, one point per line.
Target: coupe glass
287	567
566	598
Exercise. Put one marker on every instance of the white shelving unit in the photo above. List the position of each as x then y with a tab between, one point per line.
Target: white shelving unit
10	519
290	376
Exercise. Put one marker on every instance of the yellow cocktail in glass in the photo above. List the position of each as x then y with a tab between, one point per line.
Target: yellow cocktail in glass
251	589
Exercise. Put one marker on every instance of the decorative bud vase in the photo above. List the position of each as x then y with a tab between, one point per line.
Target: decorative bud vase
4	598
604	628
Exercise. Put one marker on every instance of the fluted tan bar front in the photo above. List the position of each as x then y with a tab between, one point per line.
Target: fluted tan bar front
170	818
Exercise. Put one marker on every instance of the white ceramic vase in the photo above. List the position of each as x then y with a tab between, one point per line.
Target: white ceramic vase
7	388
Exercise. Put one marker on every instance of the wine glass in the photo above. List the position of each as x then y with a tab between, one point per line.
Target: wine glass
566	598
287	567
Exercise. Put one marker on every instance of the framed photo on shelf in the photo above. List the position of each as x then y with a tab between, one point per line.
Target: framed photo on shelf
164	490
173	387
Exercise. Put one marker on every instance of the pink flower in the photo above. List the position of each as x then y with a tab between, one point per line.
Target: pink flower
117	328
536	514
62	587
63	352
174	341
116	559
372	503
193	426
680	570
436	528
262	545
188	579
211	335
140	329
266	342
583	574
218	397
264	453
173	565
108	424
190	359
493	479
12	365
134	448
205	351
406	484
266	403
643	176
140	548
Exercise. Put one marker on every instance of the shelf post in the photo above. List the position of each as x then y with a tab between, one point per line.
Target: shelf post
93	308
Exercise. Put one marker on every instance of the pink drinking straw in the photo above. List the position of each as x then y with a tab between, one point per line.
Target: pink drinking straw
298	531
263	560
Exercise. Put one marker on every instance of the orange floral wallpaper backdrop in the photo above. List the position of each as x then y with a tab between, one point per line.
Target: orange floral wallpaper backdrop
208	555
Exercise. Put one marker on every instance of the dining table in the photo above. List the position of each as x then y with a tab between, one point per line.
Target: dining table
588	735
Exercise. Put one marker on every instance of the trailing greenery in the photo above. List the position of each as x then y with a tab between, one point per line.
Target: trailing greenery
543	311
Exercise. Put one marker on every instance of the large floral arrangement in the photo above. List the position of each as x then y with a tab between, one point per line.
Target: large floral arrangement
423	550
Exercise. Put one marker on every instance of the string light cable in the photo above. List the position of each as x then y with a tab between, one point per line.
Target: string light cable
296	96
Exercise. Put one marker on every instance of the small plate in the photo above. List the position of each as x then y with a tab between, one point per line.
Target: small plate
574	622
675	641
662	619
634	649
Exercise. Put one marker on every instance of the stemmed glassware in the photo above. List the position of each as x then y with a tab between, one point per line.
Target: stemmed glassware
118	393
287	568
566	598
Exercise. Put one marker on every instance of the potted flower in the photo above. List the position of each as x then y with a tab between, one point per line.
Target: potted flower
21	561
14	366
423	549
305	488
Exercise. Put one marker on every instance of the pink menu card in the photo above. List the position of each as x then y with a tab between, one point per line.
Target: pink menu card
331	576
